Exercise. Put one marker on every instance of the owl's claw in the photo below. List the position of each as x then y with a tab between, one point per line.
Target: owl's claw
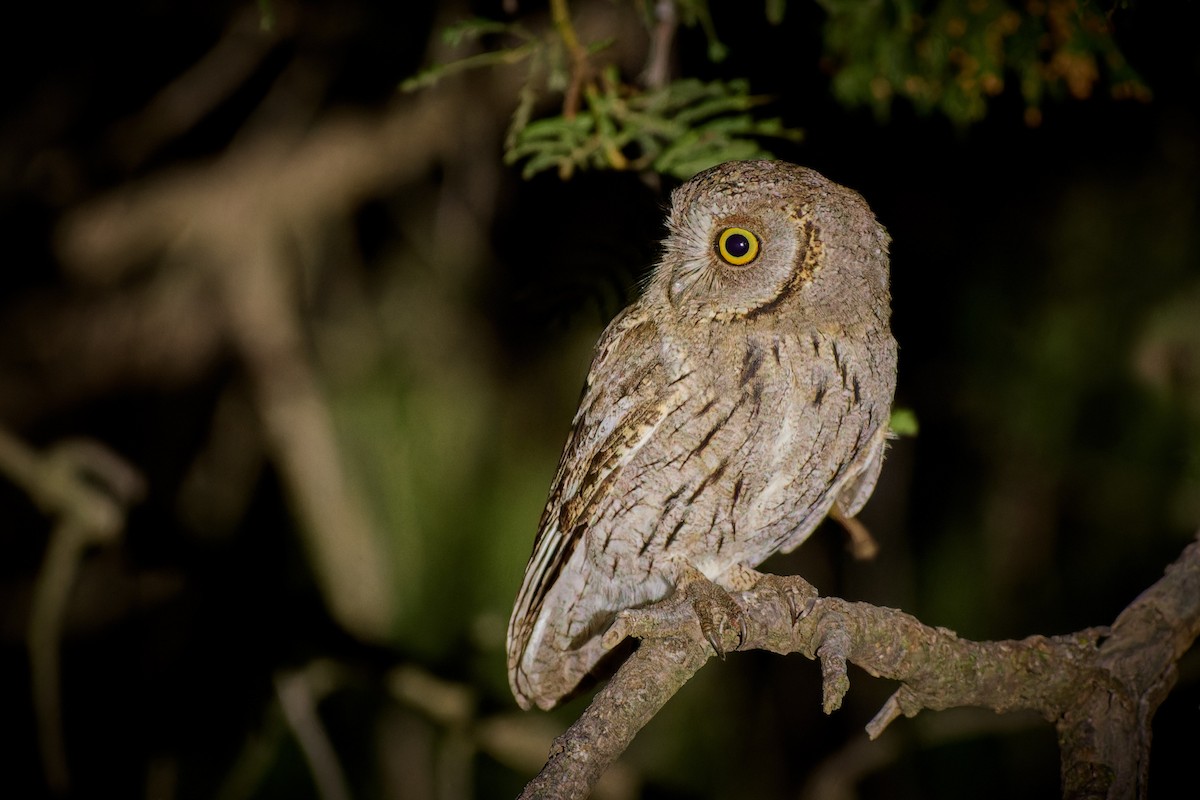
797	594
715	610
696	601
808	607
708	604
717	613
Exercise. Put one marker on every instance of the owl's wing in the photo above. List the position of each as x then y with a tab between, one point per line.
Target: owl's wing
624	400
855	494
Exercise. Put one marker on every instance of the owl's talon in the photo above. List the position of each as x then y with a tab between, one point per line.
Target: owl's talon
799	595
799	610
801	614
714	641
716	612
716	636
697	601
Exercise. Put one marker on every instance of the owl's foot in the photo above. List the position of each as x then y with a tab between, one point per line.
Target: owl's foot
719	615
696	601
796	594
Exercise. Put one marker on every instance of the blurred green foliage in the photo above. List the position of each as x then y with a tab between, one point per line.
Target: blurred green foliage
472	30
903	422
951	56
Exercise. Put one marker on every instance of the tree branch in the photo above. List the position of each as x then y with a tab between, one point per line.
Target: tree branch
1100	686
87	489
643	685
580	67
231	223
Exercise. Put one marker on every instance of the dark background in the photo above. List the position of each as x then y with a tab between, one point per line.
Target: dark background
1046	295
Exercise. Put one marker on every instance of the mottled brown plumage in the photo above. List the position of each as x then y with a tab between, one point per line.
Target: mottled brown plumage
725	413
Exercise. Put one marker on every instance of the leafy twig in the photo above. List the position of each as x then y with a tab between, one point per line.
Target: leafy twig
580	67
678	130
675	128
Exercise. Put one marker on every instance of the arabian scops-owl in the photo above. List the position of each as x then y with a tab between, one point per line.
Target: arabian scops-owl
726	412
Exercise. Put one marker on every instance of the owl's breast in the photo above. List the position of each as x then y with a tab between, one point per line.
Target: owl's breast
746	456
832	422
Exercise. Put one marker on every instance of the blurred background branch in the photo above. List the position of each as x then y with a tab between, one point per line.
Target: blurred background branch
233	221
87	489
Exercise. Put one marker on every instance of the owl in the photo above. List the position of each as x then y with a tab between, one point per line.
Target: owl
740	400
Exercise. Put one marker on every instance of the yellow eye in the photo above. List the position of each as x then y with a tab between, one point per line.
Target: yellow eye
737	246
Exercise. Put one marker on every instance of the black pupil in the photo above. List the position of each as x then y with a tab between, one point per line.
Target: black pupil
737	245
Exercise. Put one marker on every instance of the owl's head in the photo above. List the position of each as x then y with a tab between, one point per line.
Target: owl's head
747	237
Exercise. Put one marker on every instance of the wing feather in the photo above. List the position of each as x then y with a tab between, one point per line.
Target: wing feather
624	401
